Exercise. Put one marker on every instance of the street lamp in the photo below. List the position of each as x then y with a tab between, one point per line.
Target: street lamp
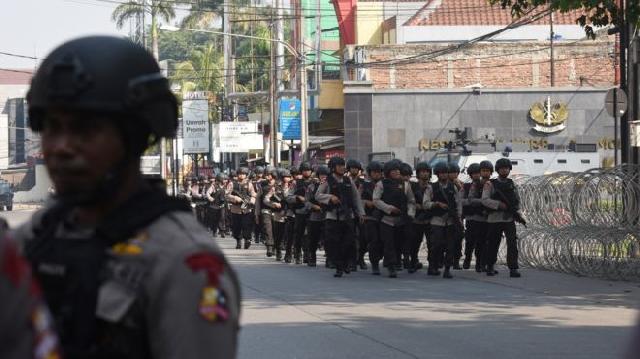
304	130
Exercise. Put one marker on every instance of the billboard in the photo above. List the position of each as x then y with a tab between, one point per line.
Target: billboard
239	136
290	118
195	123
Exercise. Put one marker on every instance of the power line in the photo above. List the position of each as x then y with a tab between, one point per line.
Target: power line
20	56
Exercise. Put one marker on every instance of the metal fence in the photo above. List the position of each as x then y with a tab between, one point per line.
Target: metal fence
586	223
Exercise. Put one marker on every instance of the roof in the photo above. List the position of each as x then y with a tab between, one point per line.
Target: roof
15	76
475	13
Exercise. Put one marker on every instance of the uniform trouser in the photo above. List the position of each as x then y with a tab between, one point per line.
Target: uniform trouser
393	240
443	242
371	230
289	234
340	237
362	244
475	241
313	238
214	218
494	237
242	226
278	235
201	213
415	234
258	229
267	228
222	222
299	226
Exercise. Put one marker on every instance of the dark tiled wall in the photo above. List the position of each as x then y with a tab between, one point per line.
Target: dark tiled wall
358	134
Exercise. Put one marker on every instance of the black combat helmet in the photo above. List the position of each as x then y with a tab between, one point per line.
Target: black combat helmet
453	167
322	170
284	173
473	168
391	166
305	166
406	169
441	167
502	163
375	166
259	170
423	166
486	165
352	163
273	172
243	171
106	75
335	161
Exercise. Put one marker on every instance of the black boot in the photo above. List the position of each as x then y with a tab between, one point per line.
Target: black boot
298	261
433	271
412	269
287	258
419	265
447	273
479	268
456	265
375	268
247	244
238	244
513	273
490	271
467	263
269	251
278	255
353	266
362	264
392	272
338	273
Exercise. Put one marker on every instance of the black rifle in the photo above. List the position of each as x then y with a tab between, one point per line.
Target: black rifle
510	208
246	199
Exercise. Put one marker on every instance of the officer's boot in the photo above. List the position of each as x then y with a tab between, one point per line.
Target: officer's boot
287	257
513	273
247	243
278	254
362	264
467	262
238	244
456	264
392	271
297	257
375	268
269	251
339	271
353	265
490	271
433	270
419	265
447	273
479	268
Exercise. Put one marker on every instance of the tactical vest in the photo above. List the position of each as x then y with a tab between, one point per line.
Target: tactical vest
300	190
367	189
446	194
418	193
469	210
71	271
394	194
505	191
343	191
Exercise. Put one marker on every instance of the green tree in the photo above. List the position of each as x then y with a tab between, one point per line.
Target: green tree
203	14
158	9
597	13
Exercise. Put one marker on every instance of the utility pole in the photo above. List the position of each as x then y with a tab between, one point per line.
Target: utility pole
273	91
551	38
624	85
226	59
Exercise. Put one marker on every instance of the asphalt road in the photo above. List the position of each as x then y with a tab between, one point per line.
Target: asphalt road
294	311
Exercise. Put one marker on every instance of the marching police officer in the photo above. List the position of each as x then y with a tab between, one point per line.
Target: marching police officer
371	225
420	226
393	196
242	197
501	197
258	177
454	174
475	214
442	199
316	215
126	270
216	195
298	202
343	204
354	169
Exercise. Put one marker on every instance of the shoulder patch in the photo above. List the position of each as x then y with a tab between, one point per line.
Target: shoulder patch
213	303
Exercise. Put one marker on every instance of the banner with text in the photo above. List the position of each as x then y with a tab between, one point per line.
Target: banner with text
290	118
239	136
195	124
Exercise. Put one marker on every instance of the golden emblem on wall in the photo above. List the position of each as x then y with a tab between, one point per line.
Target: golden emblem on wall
547	117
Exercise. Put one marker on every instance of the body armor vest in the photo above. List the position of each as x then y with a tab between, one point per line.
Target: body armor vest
393	194
367	189
444	194
505	191
343	191
418	193
469	210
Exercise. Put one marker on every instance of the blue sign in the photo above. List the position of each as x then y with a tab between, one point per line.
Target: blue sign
290	118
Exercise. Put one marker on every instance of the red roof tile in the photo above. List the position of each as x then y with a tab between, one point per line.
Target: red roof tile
475	13
15	76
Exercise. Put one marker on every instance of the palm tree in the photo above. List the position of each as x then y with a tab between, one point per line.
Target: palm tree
203	14
159	9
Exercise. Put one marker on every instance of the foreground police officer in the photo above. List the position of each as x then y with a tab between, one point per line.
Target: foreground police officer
126	270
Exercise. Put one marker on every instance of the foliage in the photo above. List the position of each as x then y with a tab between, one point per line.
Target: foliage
596	13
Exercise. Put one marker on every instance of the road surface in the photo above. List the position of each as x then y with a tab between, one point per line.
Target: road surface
294	311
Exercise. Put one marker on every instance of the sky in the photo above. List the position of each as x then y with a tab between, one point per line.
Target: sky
35	27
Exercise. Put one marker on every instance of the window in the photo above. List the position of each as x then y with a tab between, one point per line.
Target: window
537	161
562	161
585	161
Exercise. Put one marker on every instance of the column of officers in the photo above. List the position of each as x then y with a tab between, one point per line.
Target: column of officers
381	211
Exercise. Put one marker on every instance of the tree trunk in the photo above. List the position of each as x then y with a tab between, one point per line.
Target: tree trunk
154	35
